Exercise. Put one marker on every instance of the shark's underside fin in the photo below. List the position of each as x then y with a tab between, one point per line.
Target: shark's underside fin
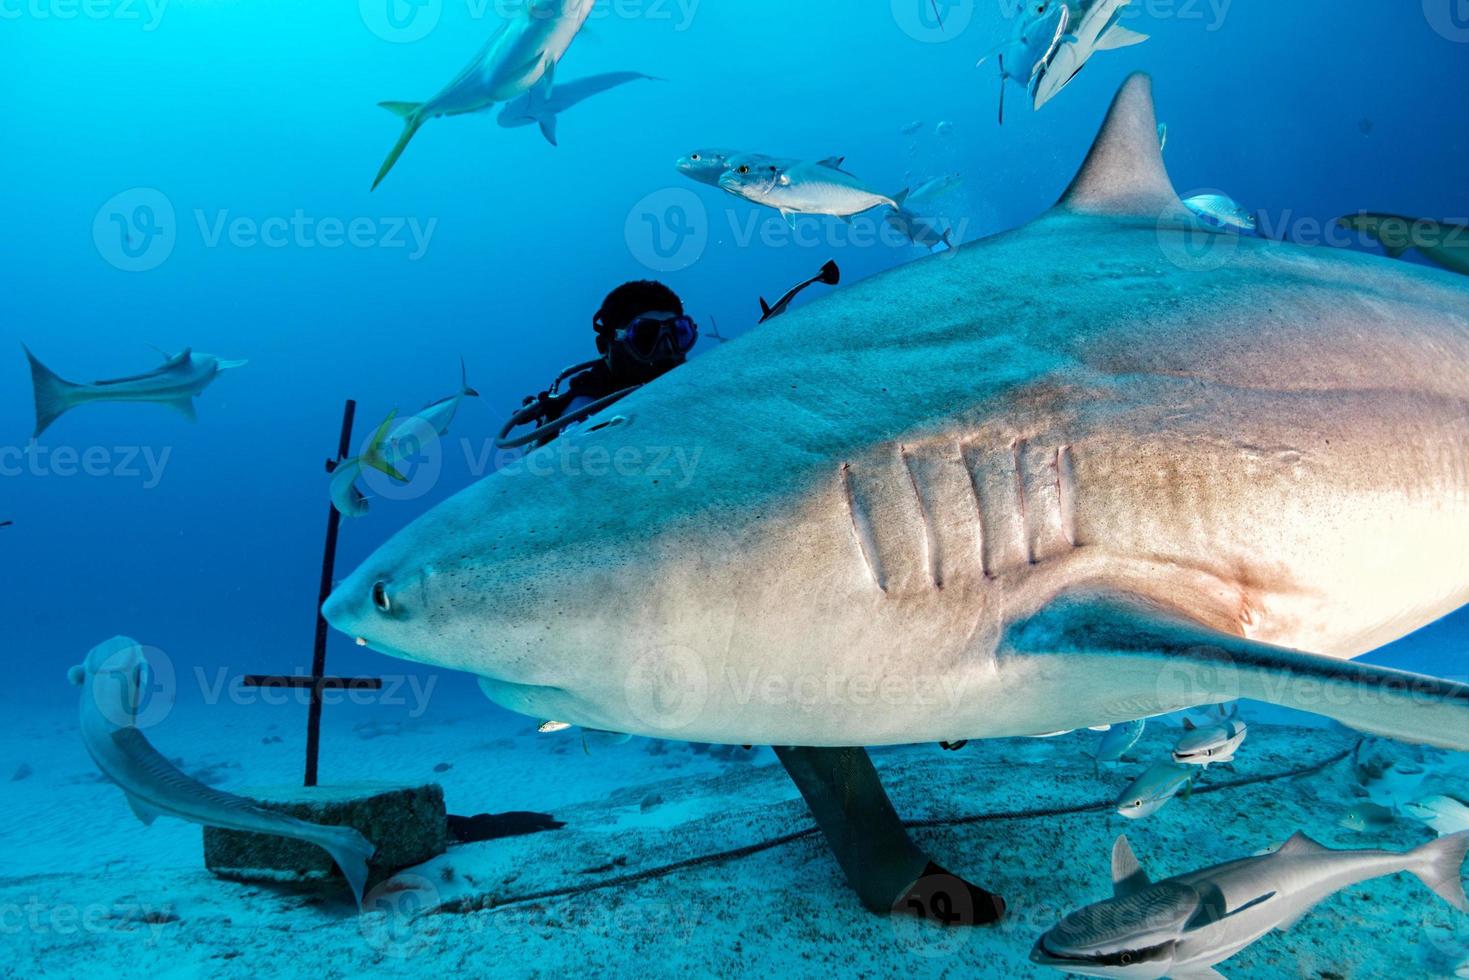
1124	174
411	114
1134	657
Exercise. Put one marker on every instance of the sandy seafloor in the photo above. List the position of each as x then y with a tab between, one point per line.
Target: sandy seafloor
86	890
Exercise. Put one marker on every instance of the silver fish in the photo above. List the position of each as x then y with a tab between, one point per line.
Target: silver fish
1118	740
1152	791
804	189
1221	211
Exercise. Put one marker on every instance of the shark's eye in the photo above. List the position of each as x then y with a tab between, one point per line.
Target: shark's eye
381	599
695	158
744	168
1125	959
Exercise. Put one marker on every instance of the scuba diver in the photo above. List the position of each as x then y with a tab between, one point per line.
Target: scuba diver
643	333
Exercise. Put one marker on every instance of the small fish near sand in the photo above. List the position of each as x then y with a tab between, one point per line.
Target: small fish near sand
1153	790
545	113
175	384
1117	741
1182	927
346	497
806	188
1445	245
519	60
113	678
1366	818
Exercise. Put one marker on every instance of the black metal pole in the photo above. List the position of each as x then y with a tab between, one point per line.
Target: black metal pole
328	574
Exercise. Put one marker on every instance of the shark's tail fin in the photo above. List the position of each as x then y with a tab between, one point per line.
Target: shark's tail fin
412	116
351	851
54	394
464	380
764	310
900	198
1439	865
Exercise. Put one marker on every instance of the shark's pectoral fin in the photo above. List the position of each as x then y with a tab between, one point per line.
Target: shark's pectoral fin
1111	658
548	128
142	810
185	407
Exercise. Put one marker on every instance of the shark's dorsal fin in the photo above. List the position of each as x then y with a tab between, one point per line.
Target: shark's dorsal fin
1300	844
1128	876
1124	174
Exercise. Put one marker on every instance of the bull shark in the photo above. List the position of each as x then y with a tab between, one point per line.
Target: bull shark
113	678
528	110
519	60
1184	926
176	383
968	498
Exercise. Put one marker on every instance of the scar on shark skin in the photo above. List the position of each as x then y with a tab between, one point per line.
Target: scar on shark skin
932	548
980	533
1018	449
1066	493
862	529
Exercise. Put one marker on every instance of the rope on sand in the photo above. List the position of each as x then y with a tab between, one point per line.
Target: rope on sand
491	902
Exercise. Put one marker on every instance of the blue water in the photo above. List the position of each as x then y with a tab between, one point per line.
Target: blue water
184	175
235	114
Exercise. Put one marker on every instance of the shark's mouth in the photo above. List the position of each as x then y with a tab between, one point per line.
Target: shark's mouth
1120	959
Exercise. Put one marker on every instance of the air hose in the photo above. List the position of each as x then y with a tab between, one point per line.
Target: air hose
535	409
490	902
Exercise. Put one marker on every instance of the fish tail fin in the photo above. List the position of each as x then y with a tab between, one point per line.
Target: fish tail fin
831	274
464	379
412	115
351	851
900	198
54	394
1439	865
764	307
373	456
1120	37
